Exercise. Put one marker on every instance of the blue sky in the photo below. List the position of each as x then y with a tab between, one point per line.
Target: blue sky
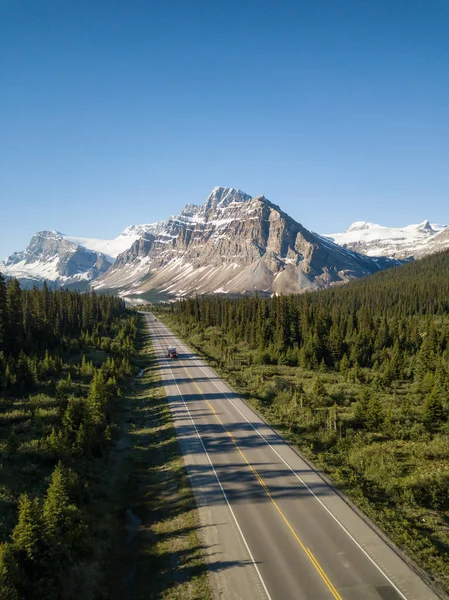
115	113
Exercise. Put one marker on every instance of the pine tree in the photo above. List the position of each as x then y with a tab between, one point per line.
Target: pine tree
27	534
62	520
319	390
14	324
9	573
12	445
56	502
433	412
375	413
3	314
73	418
441	382
98	397
25	379
361	407
425	360
344	365
396	363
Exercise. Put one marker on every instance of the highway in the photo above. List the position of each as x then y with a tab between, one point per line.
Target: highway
271	527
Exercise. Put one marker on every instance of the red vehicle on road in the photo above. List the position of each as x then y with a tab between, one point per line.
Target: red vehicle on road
171	352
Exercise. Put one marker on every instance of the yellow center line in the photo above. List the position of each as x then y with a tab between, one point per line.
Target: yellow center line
306	550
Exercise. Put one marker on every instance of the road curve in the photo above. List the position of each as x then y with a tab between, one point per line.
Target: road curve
272	528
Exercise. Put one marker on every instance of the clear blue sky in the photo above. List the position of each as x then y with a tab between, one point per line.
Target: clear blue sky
118	112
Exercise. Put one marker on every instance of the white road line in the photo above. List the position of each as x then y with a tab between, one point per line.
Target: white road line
301	480
217	478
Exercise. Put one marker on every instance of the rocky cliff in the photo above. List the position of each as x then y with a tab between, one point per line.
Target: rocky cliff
53	258
233	243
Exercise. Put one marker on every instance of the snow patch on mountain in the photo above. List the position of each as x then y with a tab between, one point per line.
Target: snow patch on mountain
50	256
22	269
112	248
234	243
64	259
372	239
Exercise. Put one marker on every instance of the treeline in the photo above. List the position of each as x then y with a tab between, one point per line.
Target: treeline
35	324
63	357
317	332
392	323
417	288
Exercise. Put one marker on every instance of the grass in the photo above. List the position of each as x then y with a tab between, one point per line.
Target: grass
156	552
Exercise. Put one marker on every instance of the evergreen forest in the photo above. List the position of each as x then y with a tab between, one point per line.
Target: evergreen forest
357	377
64	357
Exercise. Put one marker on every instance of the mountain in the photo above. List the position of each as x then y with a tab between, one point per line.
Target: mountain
233	243
436	244
401	242
112	248
51	257
66	260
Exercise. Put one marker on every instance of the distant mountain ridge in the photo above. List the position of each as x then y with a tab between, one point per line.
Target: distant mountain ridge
395	242
66	260
232	243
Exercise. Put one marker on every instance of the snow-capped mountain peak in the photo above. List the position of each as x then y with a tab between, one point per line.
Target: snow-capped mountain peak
377	240
424	226
220	197
54	257
231	244
134	232
361	225
63	259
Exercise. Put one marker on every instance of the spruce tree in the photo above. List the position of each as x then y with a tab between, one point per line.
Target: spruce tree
319	390
27	534
3	314
97	397
375	413
9	573
62	520
361	407
14	325
433	412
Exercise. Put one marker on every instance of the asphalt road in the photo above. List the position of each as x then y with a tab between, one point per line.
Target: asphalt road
270	525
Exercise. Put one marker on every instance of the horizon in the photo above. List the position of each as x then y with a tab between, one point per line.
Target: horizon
113	118
81	236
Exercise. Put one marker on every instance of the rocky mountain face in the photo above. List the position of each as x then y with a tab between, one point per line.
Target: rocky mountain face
413	241
438	243
51	257
67	260
233	243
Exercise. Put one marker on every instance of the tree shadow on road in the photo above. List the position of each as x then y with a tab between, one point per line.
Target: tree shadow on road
160	553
